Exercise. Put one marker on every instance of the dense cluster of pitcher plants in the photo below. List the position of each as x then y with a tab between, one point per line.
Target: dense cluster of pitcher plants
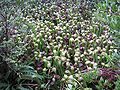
59	45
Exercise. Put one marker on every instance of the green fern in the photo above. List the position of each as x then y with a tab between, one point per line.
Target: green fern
117	84
29	73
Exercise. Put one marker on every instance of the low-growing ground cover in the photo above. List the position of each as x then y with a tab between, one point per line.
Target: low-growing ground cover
59	45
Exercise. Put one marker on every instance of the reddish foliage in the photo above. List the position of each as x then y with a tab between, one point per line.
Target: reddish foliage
109	73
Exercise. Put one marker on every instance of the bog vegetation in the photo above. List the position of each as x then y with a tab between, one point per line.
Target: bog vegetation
59	45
